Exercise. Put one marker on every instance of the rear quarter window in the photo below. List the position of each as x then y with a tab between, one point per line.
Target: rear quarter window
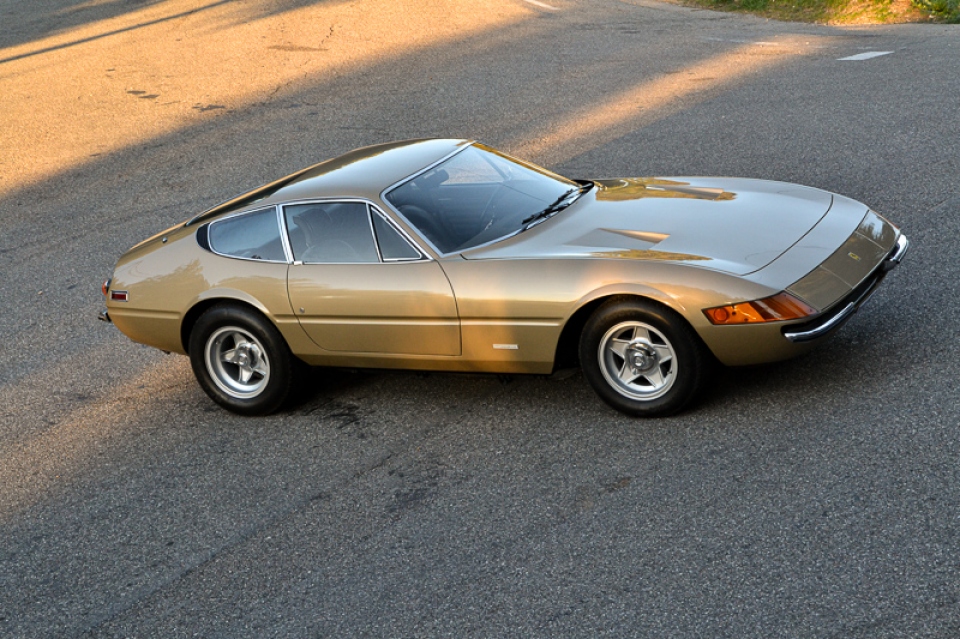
252	236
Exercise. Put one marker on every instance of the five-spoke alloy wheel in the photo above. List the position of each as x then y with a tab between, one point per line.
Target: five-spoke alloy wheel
636	359
642	358
241	360
237	362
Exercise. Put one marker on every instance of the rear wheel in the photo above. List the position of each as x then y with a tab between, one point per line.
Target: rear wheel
641	358
240	360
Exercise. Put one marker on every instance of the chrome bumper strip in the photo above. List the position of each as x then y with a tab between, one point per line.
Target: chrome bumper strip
899	251
834	322
835	319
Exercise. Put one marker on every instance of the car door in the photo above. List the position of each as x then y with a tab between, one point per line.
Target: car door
358	284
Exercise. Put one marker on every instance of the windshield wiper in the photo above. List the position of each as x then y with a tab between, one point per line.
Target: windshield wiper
558	205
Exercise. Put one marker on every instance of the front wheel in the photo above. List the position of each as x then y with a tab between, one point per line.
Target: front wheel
641	358
240	360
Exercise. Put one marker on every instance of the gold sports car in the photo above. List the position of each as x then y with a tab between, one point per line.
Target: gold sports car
448	255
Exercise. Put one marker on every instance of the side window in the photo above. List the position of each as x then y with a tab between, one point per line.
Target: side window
331	232
254	236
393	246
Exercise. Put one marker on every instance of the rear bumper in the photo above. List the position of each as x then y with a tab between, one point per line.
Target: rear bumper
844	310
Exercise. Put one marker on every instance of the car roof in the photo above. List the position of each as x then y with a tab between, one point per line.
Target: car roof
363	172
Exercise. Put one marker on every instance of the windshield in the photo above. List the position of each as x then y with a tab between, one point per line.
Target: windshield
477	196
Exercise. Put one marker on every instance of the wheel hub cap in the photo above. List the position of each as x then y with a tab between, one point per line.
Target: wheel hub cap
246	355
642	357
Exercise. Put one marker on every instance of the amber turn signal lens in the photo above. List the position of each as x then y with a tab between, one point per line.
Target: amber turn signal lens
105	287
777	308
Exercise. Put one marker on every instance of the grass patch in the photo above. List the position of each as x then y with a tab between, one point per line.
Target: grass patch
944	10
842	11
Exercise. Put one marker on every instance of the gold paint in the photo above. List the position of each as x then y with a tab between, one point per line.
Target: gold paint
405	315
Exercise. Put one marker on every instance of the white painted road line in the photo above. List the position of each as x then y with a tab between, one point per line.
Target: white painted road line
867	55
541	5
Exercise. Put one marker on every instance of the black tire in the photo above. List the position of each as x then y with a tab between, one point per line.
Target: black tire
241	361
669	362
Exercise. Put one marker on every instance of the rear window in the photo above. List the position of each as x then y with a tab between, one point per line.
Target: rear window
252	236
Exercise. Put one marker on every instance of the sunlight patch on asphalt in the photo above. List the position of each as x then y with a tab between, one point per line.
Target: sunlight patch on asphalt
88	437
108	85
653	99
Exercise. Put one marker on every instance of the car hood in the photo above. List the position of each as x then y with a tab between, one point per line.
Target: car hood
728	224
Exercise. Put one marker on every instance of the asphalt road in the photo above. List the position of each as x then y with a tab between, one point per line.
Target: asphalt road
815	498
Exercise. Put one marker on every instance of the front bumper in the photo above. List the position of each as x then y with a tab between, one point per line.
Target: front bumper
828	322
